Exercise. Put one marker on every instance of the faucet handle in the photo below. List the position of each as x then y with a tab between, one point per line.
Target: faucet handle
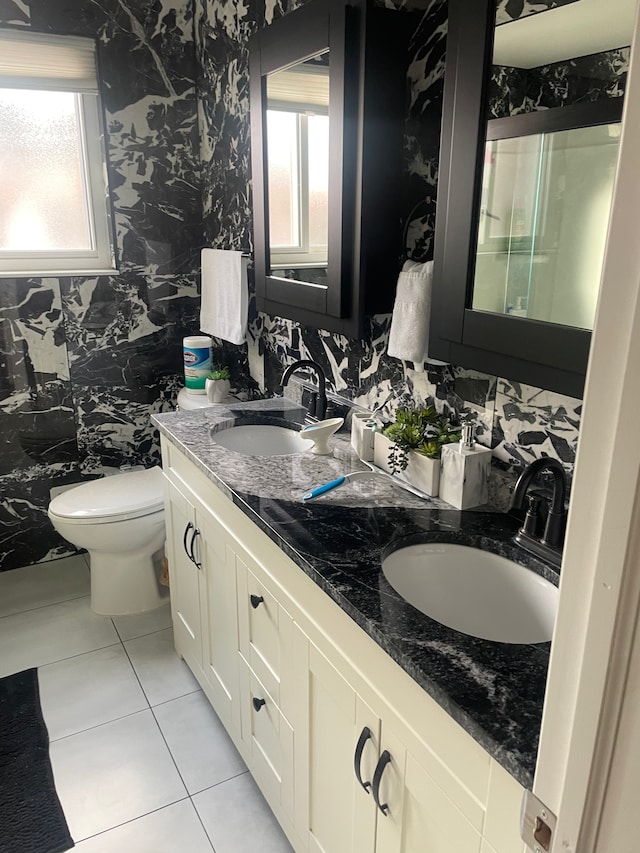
532	517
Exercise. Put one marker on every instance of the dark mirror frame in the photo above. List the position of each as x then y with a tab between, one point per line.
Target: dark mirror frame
297	36
367	95
543	354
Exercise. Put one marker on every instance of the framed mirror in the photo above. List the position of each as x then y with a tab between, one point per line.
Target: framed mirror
531	127
328	85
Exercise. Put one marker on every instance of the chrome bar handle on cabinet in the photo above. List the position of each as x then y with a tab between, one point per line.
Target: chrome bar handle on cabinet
384	759
196	532
365	735
256	601
184	541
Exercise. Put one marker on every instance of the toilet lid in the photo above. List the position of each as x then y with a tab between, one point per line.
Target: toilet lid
130	495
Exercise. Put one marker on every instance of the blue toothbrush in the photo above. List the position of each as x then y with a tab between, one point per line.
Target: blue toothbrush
333	484
356	475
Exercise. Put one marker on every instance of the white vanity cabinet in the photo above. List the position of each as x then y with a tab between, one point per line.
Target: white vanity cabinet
322	715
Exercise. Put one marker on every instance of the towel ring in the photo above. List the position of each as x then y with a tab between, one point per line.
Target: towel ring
406	255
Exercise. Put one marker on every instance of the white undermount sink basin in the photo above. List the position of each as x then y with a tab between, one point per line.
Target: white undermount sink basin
475	592
262	440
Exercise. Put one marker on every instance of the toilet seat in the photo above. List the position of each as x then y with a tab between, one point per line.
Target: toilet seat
111	499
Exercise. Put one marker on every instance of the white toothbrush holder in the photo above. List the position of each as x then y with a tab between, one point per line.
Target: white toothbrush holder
362	435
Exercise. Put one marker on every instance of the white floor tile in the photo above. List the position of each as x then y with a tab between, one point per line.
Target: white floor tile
143	623
44	583
49	634
89	690
237	818
161	672
200	746
173	829
114	773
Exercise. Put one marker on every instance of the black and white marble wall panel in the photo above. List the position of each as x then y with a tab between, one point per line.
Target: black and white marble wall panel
147	66
222	30
26	535
530	423
510	10
425	81
86	360
586	78
124	339
37	422
15	13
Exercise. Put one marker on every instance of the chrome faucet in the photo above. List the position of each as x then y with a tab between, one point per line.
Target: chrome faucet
549	545
318	402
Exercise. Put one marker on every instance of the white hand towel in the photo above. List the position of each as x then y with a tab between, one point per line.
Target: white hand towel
224	299
409	333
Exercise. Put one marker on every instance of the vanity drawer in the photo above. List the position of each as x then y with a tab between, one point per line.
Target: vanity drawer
268	739
263	627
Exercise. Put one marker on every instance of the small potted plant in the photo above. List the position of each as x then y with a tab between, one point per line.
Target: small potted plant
217	384
411	446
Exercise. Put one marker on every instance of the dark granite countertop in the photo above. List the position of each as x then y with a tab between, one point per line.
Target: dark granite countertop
493	690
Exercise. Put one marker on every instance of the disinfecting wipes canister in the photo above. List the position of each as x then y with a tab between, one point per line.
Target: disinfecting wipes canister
197	362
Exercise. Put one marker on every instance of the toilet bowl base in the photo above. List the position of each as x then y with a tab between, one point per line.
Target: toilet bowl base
125	584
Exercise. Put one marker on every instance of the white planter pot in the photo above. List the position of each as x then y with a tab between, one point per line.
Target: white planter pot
381	447
421	472
217	389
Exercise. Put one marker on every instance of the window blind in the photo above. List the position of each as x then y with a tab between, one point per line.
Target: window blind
42	61
299	86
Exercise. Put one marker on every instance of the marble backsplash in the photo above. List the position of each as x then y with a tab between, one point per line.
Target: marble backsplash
519	422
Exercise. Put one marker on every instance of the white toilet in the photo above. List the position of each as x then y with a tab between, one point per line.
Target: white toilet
120	521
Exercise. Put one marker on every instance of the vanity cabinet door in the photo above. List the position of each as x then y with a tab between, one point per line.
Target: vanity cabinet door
418	814
203	600
334	813
220	634
184	576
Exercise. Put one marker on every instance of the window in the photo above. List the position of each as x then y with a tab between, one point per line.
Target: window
54	205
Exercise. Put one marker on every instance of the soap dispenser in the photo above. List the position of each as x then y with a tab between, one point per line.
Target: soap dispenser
465	468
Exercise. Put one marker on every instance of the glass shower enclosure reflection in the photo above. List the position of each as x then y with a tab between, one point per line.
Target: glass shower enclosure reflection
543	224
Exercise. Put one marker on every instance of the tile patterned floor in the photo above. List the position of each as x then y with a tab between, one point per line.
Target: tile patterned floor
141	761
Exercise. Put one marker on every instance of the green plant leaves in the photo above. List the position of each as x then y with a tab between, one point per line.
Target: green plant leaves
423	430
219	372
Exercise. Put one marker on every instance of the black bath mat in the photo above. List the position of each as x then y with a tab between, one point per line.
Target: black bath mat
31	818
